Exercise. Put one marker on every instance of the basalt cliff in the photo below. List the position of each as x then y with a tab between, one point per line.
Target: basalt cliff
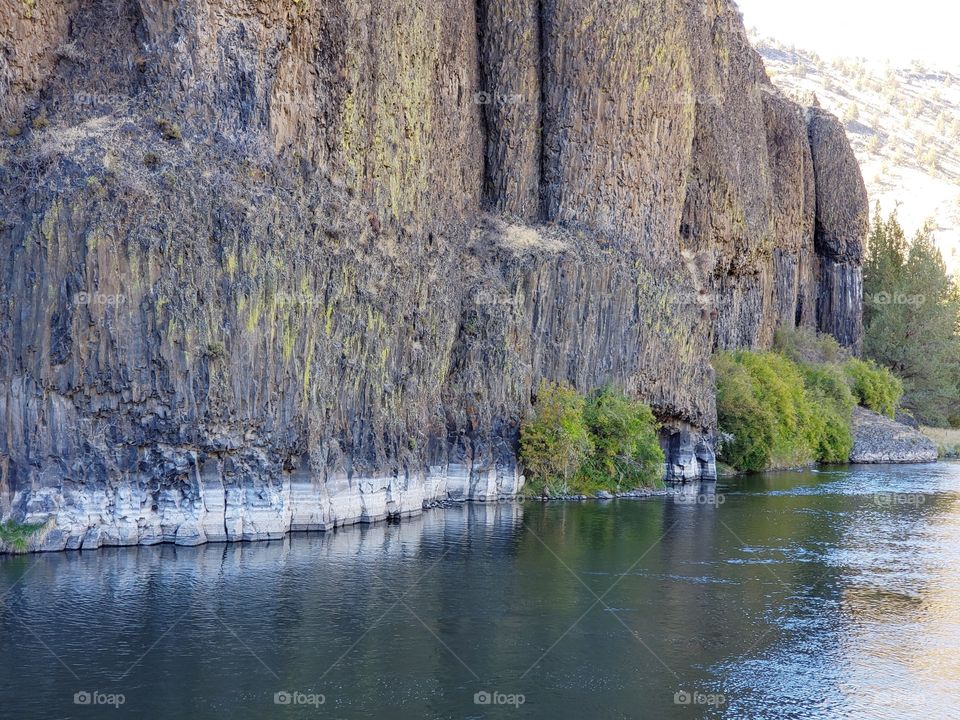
293	264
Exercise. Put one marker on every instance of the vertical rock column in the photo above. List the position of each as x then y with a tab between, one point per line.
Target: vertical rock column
842	223
616	125
793	212
510	96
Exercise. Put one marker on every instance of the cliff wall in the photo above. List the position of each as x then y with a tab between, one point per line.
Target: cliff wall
290	265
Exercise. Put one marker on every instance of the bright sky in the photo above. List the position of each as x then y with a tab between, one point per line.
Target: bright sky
879	30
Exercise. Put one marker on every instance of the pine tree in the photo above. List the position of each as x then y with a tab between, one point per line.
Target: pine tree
911	314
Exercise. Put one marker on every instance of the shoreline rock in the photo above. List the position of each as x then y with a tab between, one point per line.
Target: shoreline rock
878	439
53	539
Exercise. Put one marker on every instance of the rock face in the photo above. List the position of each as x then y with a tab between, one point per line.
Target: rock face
878	439
841	228
290	265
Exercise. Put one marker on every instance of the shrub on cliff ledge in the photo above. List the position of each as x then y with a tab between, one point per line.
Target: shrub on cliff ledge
572	445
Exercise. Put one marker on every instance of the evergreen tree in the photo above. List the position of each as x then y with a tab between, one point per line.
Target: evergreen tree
911	311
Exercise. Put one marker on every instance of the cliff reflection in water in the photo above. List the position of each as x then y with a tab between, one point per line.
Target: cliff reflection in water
783	595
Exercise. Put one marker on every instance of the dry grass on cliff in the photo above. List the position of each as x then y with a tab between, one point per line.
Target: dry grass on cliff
519	239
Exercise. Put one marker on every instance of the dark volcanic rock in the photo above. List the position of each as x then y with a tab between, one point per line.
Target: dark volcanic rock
292	265
841	228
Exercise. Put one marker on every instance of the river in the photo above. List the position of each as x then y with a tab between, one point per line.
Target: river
819	594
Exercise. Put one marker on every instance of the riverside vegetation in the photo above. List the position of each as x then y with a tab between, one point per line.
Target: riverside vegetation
577	445
15	537
793	406
785	408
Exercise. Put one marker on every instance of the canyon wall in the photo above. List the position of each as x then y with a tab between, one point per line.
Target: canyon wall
297	264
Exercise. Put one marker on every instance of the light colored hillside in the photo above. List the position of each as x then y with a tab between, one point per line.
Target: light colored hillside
904	124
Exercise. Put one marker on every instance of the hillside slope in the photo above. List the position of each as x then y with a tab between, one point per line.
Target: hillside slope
903	123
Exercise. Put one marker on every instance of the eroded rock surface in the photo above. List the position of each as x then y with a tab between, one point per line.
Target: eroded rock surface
291	265
878	439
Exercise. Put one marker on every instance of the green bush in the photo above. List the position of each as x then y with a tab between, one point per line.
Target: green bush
626	446
575	446
16	536
777	413
555	443
829	392
874	387
747	422
767	412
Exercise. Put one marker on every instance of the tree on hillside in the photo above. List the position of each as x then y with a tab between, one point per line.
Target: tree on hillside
911	313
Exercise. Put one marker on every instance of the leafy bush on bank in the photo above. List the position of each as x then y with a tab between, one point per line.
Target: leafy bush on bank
793	406
765	412
577	445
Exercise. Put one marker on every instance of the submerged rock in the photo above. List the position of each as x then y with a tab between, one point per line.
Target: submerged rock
878	439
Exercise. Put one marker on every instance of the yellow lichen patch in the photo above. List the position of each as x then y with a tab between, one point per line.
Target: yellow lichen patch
328	321
93	240
307	373
255	313
51	219
289	339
